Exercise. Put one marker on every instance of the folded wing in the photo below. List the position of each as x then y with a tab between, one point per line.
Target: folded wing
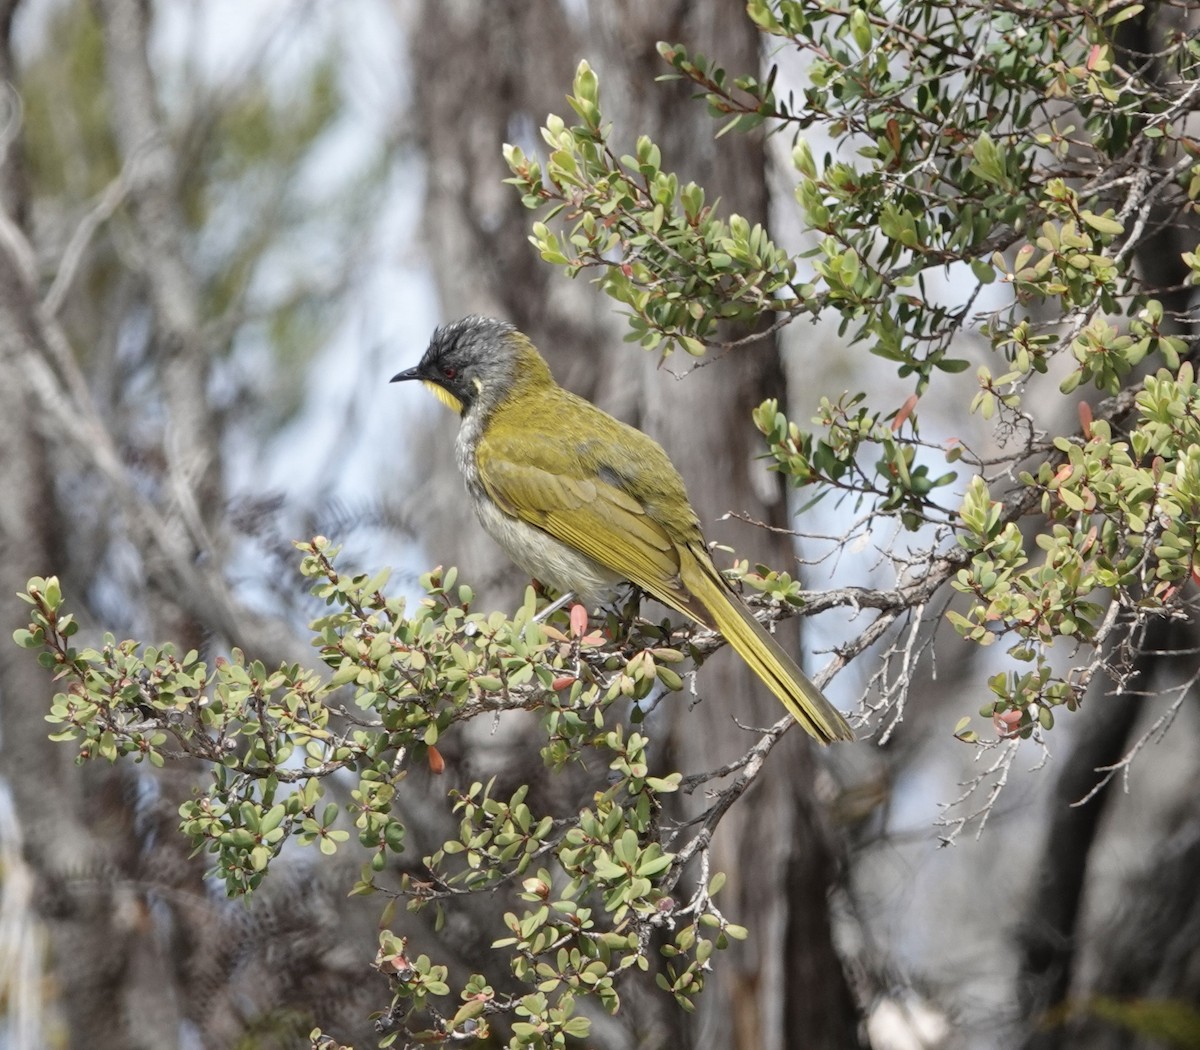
599	519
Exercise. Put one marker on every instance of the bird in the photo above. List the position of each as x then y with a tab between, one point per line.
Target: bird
588	504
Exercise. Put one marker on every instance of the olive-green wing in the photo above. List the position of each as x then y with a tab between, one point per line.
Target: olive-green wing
594	517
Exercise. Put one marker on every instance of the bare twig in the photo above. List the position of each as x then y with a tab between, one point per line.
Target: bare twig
1154	733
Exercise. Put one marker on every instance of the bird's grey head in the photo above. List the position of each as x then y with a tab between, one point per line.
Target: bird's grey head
475	362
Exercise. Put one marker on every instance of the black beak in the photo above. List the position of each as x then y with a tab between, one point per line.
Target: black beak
408	373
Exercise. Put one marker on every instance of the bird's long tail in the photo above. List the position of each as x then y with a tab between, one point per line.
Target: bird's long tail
754	644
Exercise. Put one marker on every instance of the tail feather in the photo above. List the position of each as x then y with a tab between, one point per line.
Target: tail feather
754	644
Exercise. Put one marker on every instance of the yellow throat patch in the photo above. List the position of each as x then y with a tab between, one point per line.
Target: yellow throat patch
445	397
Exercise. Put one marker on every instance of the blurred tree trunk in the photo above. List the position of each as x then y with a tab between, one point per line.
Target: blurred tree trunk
1053	939
786	988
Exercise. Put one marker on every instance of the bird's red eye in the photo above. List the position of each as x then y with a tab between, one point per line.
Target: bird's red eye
450	372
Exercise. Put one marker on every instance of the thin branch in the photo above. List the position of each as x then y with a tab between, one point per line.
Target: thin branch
106	204
997	773
1156	732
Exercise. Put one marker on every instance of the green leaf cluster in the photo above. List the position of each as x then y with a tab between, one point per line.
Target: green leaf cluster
1123	531
658	247
589	884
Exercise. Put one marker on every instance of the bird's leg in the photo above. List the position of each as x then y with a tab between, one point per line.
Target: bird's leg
554	606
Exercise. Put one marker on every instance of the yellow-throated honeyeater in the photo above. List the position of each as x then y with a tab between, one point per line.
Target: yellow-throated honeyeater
586	503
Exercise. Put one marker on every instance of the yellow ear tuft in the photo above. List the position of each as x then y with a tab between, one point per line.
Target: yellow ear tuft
445	397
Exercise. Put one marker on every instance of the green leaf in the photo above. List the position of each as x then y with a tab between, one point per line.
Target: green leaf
1102	223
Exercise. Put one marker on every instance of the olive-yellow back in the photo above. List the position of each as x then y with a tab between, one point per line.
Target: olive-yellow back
585	502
